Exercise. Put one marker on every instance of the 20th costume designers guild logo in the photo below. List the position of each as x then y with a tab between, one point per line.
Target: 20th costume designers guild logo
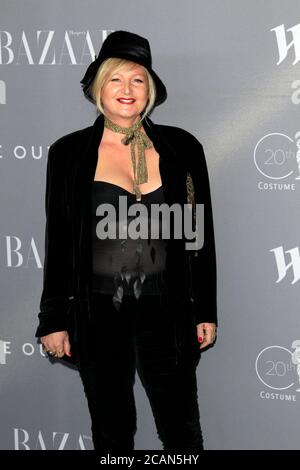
278	369
277	159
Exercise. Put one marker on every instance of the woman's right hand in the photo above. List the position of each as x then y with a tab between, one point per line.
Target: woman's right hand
58	343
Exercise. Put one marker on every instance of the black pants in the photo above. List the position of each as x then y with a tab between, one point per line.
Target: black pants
147	336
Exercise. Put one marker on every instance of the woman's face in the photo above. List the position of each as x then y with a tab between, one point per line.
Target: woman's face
131	84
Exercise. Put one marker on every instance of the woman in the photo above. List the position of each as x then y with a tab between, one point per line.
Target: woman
113	305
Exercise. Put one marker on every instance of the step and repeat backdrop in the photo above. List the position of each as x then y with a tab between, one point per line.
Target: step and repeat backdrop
232	71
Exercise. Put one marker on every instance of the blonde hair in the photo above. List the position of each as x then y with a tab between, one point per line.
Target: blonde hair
110	66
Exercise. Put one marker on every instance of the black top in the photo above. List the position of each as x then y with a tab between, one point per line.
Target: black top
132	262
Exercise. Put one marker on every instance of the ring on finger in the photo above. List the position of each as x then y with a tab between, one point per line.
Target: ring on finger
49	353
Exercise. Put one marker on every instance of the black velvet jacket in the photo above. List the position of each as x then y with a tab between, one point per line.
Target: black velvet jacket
72	160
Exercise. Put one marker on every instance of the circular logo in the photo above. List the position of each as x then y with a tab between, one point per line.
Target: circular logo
274	368
275	156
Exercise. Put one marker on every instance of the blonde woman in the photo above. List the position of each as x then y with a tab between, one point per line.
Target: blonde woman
115	301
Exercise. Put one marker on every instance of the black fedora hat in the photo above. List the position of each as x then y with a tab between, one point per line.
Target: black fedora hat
124	45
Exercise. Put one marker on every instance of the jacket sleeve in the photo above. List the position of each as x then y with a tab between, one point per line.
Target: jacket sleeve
54	298
203	265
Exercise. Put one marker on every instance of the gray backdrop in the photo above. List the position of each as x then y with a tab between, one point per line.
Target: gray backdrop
232	73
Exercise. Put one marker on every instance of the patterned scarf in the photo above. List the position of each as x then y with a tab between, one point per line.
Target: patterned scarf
134	136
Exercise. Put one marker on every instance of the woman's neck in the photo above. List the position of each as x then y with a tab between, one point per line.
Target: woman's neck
126	123
110	136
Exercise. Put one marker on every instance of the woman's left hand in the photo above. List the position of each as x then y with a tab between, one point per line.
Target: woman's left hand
208	333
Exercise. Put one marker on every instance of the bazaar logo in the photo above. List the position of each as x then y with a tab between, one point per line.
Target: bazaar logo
23	440
19	256
46	48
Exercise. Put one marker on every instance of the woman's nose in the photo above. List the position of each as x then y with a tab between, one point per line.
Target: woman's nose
127	87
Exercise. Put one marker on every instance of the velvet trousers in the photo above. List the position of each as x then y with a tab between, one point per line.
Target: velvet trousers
160	343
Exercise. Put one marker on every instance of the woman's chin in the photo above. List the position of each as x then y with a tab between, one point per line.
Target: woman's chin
125	114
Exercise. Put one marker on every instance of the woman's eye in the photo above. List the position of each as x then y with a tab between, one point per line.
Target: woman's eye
136	79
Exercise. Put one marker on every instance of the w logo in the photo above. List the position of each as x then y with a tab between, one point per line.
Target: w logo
282	44
283	266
